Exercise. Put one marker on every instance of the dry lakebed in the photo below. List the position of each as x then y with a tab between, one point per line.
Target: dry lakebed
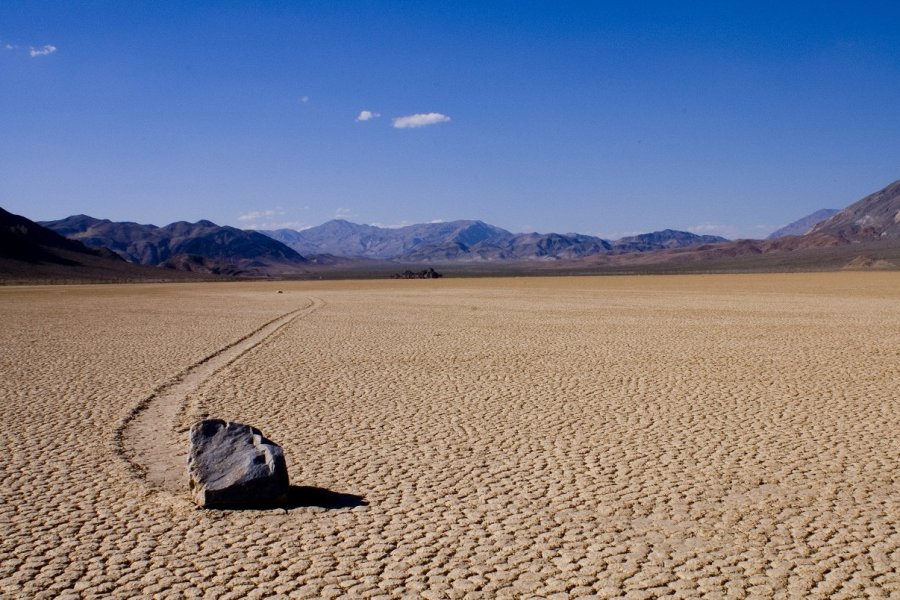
721	436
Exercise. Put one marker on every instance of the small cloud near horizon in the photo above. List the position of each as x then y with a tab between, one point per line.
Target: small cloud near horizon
42	51
271	225
419	120
614	235
403	223
258	214
726	231
366	115
343	213
267	219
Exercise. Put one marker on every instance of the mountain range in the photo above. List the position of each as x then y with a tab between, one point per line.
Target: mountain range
865	234
210	248
467	240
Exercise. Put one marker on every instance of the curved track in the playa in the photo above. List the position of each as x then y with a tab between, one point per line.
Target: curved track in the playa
150	440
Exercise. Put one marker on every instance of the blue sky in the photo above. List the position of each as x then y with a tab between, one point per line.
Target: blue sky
602	118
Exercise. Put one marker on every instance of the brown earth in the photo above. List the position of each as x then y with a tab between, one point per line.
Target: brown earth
690	436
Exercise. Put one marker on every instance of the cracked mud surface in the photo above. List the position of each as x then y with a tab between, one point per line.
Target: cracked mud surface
709	436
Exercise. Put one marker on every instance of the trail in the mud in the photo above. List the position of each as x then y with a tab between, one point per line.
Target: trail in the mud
149	438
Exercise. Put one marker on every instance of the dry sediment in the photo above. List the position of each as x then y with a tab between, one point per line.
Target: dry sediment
559	437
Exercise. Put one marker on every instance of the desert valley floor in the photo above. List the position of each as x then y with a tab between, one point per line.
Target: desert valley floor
637	437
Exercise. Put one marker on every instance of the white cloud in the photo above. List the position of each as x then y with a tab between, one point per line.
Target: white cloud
727	231
615	235
419	120
9	46
42	51
403	223
344	213
258	214
304	99
367	115
268	219
270	225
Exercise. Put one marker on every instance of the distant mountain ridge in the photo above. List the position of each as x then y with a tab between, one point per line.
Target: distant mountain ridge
202	246
343	238
467	240
804	224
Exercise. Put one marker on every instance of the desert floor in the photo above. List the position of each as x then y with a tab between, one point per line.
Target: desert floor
638	437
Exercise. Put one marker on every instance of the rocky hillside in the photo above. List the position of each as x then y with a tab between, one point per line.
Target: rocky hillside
25	240
875	217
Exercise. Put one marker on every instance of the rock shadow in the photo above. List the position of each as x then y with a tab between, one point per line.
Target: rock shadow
300	496
304	496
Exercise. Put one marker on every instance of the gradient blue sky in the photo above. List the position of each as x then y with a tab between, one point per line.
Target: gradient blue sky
601	118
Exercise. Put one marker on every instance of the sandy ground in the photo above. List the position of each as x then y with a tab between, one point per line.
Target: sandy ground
691	436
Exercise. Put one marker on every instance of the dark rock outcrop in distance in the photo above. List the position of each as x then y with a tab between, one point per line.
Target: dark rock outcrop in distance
425	274
231	465
803	225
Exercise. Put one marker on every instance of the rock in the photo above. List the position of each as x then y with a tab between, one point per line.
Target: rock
426	274
231	465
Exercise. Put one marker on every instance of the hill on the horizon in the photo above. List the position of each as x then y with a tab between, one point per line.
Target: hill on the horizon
25	240
202	246
468	240
30	252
